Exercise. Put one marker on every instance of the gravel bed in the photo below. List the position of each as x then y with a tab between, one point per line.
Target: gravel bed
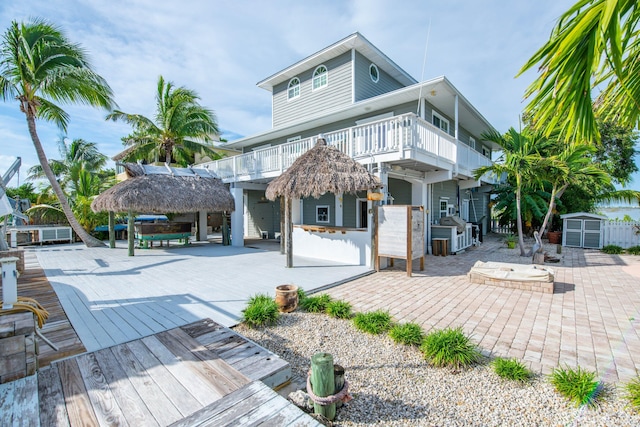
392	385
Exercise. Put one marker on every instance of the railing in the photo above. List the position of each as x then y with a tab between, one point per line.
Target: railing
395	134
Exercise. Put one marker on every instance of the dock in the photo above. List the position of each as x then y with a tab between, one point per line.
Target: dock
201	374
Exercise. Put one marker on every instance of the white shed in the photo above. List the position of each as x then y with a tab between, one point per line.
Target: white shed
582	230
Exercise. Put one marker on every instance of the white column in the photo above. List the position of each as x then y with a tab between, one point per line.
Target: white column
423	108
384	179
338	215
202	226
427	226
455	111
296	211
237	218
429	215
14	238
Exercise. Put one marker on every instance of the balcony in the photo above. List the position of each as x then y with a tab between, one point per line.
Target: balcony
396	139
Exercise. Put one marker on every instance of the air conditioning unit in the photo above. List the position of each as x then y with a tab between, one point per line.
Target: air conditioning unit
451	210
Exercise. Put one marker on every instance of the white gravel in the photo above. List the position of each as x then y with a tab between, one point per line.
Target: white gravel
392	385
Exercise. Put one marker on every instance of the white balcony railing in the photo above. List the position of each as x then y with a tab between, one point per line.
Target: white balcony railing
393	135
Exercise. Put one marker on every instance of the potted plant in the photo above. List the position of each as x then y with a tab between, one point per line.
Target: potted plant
511	240
555	236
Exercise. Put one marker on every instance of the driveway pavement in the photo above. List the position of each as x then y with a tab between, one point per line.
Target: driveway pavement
592	320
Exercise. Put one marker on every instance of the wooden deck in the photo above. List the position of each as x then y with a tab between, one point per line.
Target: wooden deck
33	283
166	378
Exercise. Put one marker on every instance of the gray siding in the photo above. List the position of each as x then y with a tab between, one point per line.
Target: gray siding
311	103
365	87
263	215
400	191
309	209
349	210
443	189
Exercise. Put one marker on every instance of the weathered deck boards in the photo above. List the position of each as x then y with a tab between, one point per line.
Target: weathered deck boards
34	284
255	362
253	404
153	381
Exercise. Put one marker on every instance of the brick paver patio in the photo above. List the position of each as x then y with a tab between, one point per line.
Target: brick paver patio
592	320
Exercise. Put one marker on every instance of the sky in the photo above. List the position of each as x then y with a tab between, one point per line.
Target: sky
221	49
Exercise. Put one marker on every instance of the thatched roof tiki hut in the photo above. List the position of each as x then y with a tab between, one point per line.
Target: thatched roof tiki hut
322	169
162	189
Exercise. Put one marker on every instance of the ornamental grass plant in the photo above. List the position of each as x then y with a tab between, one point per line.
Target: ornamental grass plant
511	369
261	310
315	304
449	348
577	385
407	333
373	322
339	309
632	393
612	249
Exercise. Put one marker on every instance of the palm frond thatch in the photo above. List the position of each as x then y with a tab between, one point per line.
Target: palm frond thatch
164	193
322	169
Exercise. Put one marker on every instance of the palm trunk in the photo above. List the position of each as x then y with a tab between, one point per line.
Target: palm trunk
552	205
519	217
88	240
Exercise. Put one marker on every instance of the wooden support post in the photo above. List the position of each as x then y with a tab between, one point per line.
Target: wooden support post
374	226
409	242
112	231
338	375
282	234
289	231
323	383
131	233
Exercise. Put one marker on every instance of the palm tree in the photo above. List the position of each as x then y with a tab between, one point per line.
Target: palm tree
596	42
76	156
572	165
521	160
40	67
181	128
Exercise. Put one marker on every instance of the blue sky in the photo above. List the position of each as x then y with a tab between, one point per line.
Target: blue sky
221	49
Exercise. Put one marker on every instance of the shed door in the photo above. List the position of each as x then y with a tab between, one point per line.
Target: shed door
592	234
573	233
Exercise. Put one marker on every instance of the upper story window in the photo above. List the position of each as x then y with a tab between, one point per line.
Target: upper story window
472	142
293	88
320	77
440	122
374	73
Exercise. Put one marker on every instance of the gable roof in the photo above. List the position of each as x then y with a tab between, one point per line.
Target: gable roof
354	41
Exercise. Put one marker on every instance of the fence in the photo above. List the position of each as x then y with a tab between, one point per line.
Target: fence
621	233
502	229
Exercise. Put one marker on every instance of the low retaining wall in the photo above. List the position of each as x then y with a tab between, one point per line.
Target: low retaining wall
514	276
544	287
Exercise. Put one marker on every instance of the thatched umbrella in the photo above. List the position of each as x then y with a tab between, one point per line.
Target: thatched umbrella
322	169
161	189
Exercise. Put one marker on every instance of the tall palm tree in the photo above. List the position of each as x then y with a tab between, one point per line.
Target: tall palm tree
596	42
40	67
573	164
76	156
181	127
521	160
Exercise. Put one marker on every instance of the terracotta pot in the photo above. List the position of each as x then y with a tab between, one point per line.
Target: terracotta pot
555	237
287	298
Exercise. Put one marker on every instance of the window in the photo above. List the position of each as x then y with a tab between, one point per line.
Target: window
440	122
472	142
320	77
322	214
374	73
293	88
486	152
444	204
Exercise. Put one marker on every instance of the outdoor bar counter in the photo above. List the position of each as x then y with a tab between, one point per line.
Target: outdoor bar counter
340	244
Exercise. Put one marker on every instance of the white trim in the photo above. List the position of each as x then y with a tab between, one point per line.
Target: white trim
289	88
319	77
328	214
472	142
372	67
353	75
435	114
359	212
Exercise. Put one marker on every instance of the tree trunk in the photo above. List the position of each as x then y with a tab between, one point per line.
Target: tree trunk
519	217
552	205
88	240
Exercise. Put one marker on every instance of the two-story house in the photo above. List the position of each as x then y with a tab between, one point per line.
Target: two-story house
422	139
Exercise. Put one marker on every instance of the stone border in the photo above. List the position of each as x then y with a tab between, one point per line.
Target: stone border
534	286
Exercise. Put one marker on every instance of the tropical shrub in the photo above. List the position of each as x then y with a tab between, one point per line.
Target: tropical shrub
612	249
339	309
511	369
407	333
632	393
315	304
449	347
373	322
577	385
261	310
634	250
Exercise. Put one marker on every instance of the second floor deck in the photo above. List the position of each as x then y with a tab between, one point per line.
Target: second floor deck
406	140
